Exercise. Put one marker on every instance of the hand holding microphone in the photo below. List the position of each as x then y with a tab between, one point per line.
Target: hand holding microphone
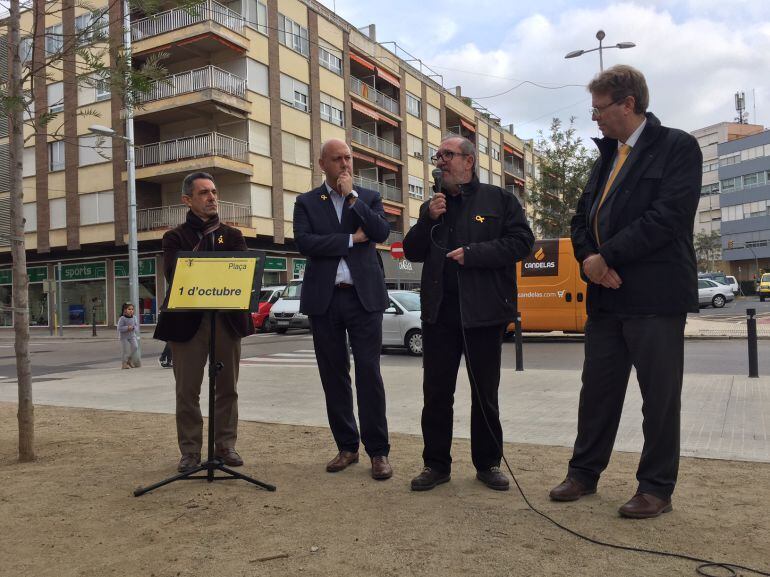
437	202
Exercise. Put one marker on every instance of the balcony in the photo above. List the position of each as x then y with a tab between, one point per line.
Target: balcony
197	24
513	169
212	152
165	217
376	143
387	191
373	95
206	78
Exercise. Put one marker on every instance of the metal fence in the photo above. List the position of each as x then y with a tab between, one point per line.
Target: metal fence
194	81
373	95
375	142
182	17
164	217
210	144
386	190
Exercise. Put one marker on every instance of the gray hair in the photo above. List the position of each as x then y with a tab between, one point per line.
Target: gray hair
187	183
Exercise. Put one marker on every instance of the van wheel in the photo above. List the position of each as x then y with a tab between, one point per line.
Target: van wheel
718	301
413	342
281	330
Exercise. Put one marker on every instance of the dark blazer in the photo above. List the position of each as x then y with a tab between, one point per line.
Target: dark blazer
180	326
324	240
646	223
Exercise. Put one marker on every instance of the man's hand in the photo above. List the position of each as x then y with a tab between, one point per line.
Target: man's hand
458	255
611	279
344	184
360	236
597	271
437	206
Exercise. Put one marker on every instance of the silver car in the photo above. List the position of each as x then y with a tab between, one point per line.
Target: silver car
401	325
713	293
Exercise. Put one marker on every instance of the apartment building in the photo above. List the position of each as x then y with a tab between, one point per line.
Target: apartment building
253	88
744	183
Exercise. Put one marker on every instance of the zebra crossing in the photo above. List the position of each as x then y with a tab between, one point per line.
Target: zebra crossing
298	358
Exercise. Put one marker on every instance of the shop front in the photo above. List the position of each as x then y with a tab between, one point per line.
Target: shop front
38	298
148	302
83	293
401	273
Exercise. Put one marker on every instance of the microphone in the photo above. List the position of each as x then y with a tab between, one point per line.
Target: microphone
437	175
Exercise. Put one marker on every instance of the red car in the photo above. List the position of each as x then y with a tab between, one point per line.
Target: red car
267	296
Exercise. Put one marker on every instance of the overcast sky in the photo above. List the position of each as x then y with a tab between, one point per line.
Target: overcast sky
695	54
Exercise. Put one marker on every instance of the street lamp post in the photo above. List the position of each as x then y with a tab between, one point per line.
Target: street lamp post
599	36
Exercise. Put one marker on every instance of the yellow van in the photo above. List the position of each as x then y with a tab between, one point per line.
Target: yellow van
551	293
764	287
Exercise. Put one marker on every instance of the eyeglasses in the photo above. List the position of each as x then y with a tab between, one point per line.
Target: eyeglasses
445	155
596	111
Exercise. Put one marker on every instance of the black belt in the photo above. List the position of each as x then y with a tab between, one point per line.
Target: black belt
343	285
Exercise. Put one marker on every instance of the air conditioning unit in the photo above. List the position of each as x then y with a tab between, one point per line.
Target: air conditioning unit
418	155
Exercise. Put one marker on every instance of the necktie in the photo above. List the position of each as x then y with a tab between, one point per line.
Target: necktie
623	153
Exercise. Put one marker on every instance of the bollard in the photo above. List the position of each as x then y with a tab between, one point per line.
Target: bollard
751	329
519	347
93	321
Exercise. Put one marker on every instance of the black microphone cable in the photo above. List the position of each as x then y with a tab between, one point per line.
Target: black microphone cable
705	564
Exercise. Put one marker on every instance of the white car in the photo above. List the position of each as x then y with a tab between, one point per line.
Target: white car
732	282
401	324
284	314
713	293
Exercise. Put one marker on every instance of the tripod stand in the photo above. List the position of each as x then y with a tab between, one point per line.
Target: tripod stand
212	463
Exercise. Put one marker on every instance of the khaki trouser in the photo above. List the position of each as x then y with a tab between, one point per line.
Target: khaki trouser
189	362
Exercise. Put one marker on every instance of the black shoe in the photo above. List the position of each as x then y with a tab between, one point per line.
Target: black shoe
428	479
493	478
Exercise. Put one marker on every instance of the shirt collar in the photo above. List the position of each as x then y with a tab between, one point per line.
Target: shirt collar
634	135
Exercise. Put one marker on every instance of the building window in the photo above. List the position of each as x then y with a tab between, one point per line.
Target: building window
483	144
56	97
97	207
25	50
432	150
483	175
293	36
56	156
332	110
413	105
295	93
329	60
296	150
92	27
416	187
261	18
414	146
434	116
496	151
102	88
709	189
54	40
257	77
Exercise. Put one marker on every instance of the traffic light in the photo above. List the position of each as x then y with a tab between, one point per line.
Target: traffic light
730	243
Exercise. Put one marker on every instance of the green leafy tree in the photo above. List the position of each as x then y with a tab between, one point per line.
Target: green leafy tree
564	165
708	249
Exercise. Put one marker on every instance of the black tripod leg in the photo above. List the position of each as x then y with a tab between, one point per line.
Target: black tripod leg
243	477
142	490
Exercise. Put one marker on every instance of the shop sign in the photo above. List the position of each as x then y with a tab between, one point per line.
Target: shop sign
35	273
83	271
275	263
146	267
299	267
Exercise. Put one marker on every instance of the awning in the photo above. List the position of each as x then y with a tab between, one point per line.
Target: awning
507	148
365	63
391	210
388	77
467	125
517	153
361	156
387	165
388	120
365	110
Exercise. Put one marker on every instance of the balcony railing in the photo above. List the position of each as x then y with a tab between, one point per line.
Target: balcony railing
163	217
182	17
386	190
211	144
395	236
514	169
373	95
194	81
376	143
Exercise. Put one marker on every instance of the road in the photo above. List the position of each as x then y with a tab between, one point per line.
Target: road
737	309
718	357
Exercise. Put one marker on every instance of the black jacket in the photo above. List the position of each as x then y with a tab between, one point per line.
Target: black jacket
645	224
181	326
493	230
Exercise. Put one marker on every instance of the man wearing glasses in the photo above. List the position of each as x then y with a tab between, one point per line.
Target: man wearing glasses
469	237
632	232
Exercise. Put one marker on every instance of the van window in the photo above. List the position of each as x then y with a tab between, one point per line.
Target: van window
292	291
766	277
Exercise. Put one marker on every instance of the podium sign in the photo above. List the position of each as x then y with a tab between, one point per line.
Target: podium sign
216	281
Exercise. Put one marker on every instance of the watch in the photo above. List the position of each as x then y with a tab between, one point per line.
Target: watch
353	194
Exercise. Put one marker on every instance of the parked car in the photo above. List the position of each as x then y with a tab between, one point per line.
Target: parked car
732	282
267	298
764	287
713	293
401	325
284	314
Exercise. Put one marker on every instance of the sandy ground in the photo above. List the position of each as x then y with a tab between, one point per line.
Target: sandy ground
72	512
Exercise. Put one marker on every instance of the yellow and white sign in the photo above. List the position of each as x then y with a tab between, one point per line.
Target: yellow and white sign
213	283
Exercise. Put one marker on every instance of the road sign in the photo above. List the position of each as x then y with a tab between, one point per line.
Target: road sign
397	250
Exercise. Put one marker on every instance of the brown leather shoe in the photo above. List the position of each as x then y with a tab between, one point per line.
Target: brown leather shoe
570	490
341	461
645	506
493	478
381	469
229	456
428	479
188	461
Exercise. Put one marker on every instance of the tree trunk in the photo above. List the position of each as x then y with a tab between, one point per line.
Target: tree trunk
20	301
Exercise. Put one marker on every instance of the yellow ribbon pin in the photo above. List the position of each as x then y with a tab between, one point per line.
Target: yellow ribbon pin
221	240
479	218
324	197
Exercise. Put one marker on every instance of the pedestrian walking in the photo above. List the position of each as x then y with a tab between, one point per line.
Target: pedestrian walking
128	331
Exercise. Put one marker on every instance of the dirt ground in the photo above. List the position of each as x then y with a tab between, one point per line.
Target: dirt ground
72	512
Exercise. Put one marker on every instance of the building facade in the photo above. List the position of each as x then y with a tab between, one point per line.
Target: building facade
253	89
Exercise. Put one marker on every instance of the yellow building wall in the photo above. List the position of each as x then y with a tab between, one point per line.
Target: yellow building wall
262	169
56	184
293	64
296	178
330	33
260	108
294	10
414	86
433	97
332	84
415	167
95	178
295	121
330	131
414	125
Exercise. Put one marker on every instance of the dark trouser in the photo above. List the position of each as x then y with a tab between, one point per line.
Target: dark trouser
166	356
442	349
654	345
189	361
346	315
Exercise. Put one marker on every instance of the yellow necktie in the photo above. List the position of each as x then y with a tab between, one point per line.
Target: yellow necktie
623	153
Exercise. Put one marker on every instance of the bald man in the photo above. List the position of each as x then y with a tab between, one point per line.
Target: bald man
338	227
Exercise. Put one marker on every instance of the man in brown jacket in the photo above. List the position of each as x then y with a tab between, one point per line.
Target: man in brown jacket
189	332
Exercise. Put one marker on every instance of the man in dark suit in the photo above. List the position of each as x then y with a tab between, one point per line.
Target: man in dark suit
343	293
189	332
632	232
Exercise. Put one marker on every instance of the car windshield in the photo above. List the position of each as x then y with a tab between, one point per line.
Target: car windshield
264	296
766	277
410	301
292	292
